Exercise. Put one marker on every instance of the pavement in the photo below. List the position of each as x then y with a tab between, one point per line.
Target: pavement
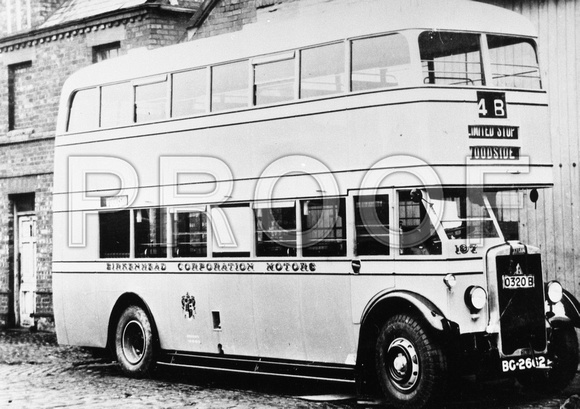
36	372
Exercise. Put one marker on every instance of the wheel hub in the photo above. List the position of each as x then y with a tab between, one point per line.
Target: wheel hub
133	341
403	364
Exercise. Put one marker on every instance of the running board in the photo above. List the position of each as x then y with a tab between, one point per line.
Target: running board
263	366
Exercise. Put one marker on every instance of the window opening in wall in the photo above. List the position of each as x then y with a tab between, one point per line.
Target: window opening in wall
106	51
324	227
114	234
21	93
451	58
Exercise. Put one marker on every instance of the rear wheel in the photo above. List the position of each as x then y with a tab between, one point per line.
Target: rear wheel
410	364
563	352
134	342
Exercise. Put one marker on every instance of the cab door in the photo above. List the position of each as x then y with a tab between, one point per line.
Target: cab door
372	258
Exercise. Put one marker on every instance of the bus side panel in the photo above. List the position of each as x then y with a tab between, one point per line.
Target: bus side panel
210	313
77	312
298	316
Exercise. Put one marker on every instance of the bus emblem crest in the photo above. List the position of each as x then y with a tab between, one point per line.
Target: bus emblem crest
188	306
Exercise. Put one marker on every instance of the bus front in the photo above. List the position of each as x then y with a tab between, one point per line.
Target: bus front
488	102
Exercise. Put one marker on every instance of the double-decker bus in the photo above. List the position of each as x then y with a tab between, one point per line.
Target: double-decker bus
333	196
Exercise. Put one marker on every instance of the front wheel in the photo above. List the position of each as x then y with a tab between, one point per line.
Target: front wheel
134	342
563	352
411	366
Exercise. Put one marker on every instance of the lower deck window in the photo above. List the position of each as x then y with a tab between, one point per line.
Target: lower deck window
324	227
276	231
150	233
372	225
190	234
114	234
231	227
417	234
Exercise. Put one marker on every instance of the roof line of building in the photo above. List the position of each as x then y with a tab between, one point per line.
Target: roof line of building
81	26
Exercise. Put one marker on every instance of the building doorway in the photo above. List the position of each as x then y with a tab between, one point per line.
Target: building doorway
24	256
27	268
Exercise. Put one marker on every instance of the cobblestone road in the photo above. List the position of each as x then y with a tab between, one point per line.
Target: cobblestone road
36	373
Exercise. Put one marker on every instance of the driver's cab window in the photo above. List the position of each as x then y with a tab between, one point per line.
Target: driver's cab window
417	235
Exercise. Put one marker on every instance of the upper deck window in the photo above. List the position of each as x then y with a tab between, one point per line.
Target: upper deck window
84	110
322	71
379	62
116	105
513	62
151	101
230	84
274	80
189	94
451	58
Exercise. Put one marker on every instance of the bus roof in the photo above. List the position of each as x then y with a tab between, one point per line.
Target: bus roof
315	24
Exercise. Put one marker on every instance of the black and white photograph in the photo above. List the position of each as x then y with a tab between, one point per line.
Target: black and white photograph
330	204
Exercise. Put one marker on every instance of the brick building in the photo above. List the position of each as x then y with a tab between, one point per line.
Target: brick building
41	43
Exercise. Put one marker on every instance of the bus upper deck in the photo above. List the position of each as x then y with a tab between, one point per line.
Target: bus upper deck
468	88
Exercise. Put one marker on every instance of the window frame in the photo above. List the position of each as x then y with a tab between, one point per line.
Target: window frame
173	244
426	217
292	251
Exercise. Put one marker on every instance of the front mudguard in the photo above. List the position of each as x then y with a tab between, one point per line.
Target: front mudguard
566	312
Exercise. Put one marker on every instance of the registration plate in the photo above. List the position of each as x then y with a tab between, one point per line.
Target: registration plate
519	281
523	363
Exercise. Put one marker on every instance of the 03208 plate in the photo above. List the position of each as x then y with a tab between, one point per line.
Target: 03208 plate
517	281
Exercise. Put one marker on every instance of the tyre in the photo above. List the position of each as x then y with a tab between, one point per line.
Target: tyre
411	366
134	343
563	352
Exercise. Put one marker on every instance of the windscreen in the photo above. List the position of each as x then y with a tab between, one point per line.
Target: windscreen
466	215
477	214
514	63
